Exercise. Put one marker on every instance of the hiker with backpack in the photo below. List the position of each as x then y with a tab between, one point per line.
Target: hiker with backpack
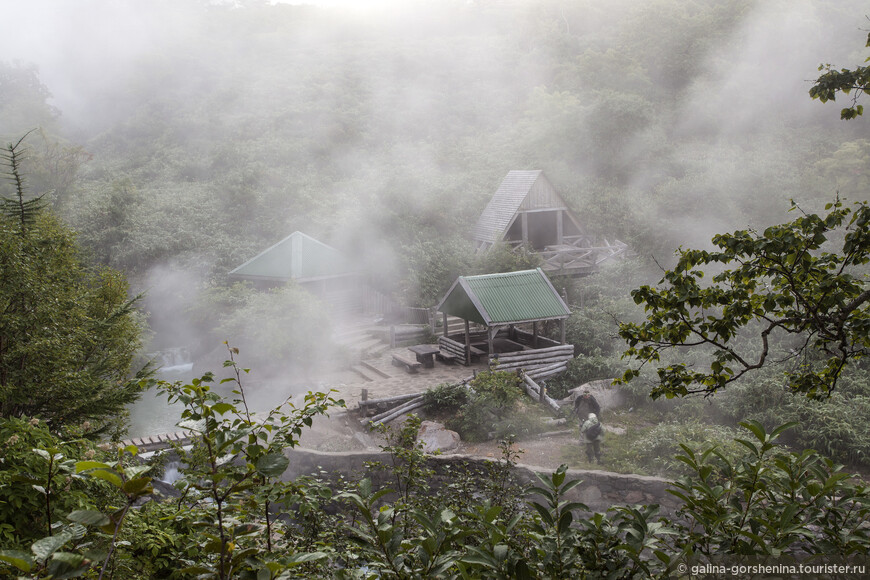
592	433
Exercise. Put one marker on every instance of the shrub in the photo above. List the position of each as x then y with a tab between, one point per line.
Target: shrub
445	399
657	447
836	427
489	410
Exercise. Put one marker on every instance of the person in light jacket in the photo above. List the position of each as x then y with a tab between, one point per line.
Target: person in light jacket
592	433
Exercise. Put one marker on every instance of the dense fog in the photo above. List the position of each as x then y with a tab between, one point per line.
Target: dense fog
182	138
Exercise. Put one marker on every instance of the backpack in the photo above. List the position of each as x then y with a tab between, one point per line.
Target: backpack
593	431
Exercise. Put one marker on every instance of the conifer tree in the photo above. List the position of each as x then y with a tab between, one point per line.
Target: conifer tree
69	333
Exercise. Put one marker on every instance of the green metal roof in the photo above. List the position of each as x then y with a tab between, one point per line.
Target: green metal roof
297	257
505	298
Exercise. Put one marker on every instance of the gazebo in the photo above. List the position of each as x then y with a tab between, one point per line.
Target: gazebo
503	314
315	266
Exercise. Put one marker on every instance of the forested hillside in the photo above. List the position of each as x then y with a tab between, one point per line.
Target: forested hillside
182	138
200	134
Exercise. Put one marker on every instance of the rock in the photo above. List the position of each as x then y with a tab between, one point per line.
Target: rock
435	437
634	497
607	395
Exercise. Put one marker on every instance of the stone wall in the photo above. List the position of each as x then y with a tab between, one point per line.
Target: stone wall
599	490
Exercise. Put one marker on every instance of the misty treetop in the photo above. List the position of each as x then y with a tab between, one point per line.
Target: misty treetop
269	119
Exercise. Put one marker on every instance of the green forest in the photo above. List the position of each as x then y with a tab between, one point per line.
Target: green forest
151	147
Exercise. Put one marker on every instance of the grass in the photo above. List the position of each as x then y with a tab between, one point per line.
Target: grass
622	452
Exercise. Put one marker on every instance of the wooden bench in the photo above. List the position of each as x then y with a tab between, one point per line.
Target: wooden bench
410	364
450	346
476	352
446	357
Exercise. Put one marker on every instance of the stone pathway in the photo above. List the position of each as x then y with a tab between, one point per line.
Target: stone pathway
400	382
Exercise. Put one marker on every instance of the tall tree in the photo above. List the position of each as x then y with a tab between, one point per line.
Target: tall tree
68	333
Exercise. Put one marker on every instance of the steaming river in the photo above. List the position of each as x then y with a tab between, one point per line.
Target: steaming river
152	414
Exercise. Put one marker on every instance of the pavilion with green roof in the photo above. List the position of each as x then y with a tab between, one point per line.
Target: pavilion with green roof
299	258
501	303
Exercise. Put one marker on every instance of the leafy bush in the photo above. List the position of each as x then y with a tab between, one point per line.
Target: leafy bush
445	399
657	447
836	427
493	396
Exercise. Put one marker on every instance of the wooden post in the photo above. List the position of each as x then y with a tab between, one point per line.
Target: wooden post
489	333
467	344
445	324
363	402
562	330
392	336
535	334
524	221
559	235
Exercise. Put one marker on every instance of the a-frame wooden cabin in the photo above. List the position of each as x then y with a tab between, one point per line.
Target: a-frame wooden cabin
527	211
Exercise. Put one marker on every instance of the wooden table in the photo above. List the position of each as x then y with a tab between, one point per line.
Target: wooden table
425	354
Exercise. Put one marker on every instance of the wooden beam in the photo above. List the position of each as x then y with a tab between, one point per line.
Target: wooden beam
559	234
388	416
467	344
524	221
541	395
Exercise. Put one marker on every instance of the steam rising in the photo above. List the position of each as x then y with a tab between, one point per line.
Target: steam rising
366	124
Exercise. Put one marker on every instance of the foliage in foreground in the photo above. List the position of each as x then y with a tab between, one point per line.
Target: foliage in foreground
237	518
783	296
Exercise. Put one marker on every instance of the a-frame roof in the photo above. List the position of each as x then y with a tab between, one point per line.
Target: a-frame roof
297	257
526	190
511	297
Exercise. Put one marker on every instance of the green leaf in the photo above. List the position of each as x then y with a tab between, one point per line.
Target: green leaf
109	476
86	465
89	517
20	560
45	547
43	453
222	408
307	557
272	464
139	486
66	565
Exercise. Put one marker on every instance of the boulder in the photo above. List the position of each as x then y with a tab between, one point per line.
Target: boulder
607	395
435	437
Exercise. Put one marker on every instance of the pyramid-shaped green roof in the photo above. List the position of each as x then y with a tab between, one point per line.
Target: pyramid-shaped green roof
297	257
511	297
